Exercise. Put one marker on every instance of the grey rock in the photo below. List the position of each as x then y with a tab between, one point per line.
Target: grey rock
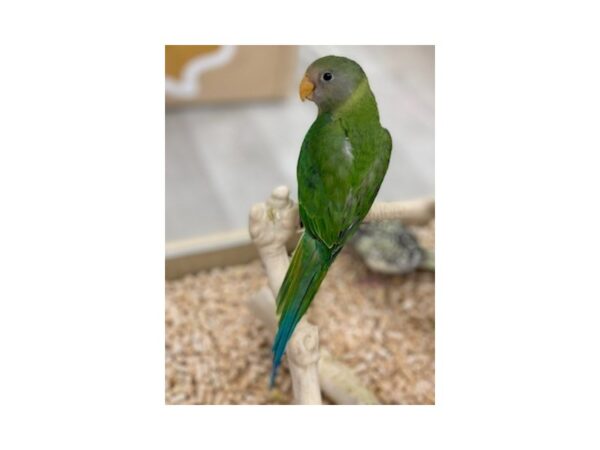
388	247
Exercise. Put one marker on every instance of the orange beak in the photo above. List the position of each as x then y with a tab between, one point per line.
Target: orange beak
306	88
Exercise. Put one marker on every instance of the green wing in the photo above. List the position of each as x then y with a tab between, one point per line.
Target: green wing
339	174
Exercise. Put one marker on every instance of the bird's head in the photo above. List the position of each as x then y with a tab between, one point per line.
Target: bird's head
330	81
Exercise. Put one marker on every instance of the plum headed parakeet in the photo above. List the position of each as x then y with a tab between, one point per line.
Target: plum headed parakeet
342	162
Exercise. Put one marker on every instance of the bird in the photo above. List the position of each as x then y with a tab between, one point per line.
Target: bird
343	160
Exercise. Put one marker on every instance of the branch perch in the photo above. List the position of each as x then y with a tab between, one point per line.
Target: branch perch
410	212
272	225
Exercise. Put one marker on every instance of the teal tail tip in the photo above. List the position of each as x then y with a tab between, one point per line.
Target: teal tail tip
273	376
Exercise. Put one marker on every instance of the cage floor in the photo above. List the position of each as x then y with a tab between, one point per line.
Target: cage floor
382	327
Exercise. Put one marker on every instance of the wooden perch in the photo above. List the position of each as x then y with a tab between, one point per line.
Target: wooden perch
272	225
410	212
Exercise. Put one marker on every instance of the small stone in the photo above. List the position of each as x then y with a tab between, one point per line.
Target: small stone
387	247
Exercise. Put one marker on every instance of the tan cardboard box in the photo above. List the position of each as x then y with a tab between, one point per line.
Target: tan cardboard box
217	73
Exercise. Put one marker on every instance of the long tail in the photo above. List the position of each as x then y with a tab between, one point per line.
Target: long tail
307	269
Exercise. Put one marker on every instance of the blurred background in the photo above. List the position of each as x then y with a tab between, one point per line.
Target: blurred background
235	124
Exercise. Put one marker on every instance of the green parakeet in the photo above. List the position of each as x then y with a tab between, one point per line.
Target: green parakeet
342	162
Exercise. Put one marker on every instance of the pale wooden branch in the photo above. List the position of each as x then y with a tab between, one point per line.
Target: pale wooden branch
272	225
410	212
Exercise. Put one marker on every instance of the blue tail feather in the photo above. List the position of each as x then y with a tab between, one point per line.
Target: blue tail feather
308	267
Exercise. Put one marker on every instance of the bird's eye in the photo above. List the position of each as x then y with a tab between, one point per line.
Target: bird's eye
327	76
